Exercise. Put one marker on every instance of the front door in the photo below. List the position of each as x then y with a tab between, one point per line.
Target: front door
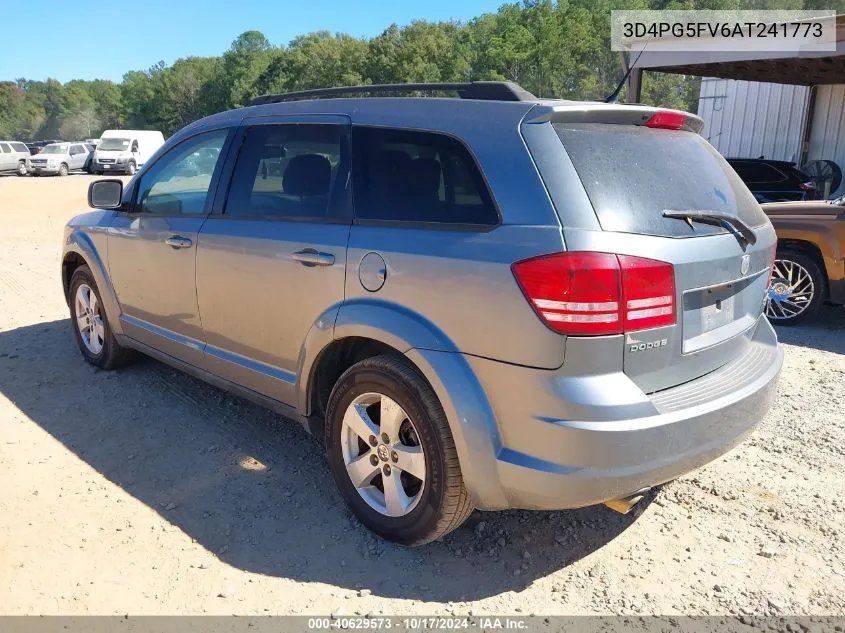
77	156
152	249
272	263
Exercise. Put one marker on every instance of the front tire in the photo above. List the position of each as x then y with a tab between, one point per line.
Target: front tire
131	168
22	171
797	289
391	452
63	170
90	324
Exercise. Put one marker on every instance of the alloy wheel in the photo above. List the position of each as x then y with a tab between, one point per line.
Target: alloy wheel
89	319
791	290
382	453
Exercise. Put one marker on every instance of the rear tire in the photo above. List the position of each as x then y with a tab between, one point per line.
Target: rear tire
438	502
99	347
798	288
63	170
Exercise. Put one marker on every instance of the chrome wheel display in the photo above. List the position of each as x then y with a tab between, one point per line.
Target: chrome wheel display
382	453
791	290
89	320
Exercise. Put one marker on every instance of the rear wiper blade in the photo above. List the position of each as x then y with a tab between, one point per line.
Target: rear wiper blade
714	217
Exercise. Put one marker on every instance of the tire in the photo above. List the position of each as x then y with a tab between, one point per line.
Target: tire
130	168
793	301
63	170
22	170
442	503
98	173
110	355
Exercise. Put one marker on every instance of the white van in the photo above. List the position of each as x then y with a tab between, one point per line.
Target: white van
123	151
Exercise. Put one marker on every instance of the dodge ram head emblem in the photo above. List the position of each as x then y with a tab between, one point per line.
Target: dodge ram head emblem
745	264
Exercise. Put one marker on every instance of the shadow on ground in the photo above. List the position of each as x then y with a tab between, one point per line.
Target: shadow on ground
825	332
255	489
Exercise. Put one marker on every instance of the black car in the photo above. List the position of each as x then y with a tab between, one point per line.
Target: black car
36	146
774	180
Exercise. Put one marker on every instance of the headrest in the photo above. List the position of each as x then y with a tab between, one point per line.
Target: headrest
425	175
307	175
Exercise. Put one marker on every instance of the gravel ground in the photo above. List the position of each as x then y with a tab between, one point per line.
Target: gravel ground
145	491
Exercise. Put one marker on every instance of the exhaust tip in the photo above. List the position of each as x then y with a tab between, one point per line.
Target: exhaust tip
625	504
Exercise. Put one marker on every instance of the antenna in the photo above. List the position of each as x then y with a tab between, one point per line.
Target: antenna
614	96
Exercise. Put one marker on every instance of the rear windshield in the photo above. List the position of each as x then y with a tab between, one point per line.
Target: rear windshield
633	173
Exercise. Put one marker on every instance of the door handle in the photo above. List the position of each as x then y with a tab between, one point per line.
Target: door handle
177	241
312	257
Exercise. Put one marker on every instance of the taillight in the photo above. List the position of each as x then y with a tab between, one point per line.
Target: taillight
667	120
590	294
807	186
648	293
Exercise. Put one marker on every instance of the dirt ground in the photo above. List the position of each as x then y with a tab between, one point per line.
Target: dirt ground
145	491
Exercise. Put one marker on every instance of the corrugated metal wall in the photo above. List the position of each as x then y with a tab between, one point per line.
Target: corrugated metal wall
747	119
827	135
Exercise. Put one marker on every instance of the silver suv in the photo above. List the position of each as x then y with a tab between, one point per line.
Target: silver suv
493	301
13	157
60	158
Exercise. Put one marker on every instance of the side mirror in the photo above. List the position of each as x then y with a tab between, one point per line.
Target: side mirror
105	194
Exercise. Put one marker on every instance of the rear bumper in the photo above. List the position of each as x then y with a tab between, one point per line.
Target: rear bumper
553	461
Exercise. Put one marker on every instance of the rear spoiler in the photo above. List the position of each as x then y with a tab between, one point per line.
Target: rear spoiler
615	114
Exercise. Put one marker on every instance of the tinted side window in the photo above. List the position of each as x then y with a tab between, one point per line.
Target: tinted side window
20	147
76	149
5	148
757	172
417	177
179	181
286	171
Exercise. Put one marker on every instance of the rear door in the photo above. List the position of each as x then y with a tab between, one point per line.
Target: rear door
7	158
272	262
631	175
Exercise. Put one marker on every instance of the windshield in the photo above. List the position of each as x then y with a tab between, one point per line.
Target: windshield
55	149
113	144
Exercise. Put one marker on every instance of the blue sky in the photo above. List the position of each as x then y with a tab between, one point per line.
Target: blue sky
122	36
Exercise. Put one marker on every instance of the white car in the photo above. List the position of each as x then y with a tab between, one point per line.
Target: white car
13	157
59	158
124	151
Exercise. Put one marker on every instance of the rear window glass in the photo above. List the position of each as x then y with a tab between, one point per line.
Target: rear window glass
757	172
633	173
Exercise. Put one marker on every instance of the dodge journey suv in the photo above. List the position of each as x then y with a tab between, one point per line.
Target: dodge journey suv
485	300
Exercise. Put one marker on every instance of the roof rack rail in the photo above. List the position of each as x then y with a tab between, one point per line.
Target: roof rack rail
484	90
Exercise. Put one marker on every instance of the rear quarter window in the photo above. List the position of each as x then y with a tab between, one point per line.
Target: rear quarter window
410	176
634	173
20	147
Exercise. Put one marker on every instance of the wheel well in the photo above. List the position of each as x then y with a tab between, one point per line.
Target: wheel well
809	249
335	359
71	262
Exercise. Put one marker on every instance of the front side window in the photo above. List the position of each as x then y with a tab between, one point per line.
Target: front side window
287	170
76	149
411	176
179	181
